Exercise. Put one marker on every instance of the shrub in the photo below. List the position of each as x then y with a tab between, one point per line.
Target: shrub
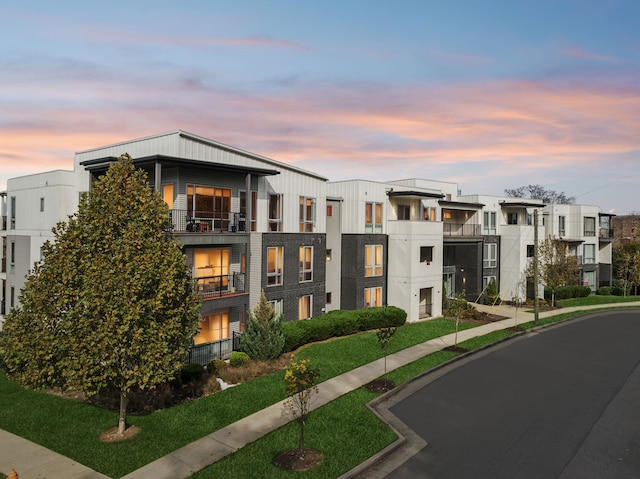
263	338
216	366
340	323
191	372
605	291
238	359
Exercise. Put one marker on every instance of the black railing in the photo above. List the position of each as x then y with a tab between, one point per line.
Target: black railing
215	286
207	352
461	229
606	233
186	221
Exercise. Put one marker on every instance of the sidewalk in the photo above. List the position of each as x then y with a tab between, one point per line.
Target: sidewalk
33	461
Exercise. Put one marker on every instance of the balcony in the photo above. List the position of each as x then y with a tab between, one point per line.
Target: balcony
207	352
212	287
605	233
186	221
461	229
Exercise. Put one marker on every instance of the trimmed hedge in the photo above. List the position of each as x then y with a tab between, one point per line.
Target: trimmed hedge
605	291
340	323
567	292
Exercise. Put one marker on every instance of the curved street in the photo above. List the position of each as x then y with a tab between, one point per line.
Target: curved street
562	402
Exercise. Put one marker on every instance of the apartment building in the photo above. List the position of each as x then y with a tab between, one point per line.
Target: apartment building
249	224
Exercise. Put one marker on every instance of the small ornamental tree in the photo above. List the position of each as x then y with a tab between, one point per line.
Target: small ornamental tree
556	265
263	338
111	304
301	384
384	335
457	307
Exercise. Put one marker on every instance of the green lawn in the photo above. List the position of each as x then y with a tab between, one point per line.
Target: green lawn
345	431
594	299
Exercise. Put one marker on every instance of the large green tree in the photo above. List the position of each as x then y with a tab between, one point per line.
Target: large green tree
111	304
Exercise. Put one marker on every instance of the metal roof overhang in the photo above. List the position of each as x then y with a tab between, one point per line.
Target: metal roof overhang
521	204
414	194
102	164
460	205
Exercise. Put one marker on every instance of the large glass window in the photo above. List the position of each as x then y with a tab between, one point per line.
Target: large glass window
305	306
589	226
211	269
213	327
167	195
254	207
12	223
589	253
208	205
562	226
373	217
274	265
373	260
489	223
490	255
512	218
275	212
307	214
372	297
306	263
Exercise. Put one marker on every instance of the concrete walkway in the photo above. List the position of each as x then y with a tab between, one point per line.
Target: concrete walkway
33	461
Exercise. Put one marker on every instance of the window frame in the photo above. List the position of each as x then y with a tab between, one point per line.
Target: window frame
306	264
274	223
490	255
307	214
562	225
588	259
374	295
277	275
373	253
489	222
305	305
589	232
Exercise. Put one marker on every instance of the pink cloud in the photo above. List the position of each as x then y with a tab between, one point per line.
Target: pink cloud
578	52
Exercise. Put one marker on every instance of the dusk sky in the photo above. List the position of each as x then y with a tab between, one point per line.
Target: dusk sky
489	94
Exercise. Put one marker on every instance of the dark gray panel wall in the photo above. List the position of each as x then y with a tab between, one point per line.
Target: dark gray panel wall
354	280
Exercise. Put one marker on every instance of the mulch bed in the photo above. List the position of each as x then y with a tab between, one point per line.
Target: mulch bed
293	460
381	385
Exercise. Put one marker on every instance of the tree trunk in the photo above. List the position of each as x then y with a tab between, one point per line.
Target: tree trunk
122	422
301	444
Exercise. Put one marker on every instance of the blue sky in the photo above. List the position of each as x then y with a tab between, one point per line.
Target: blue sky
489	94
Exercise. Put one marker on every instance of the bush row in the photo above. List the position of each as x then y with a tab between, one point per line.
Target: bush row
340	323
567	292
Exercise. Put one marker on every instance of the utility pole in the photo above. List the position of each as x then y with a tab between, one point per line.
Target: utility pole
536	304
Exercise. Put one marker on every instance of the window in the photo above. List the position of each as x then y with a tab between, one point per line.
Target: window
490	255
211	269
13	213
372	297
486	280
243	262
328	301
209	205
561	225
404	212
12	253
429	213
329	210
512	218
529	219
275	213
426	254
589	253
530	251
277	306
307	214
306	263
589	226
305	306
489	223
12	297
373	260
373	217
213	327
167	195
274	265
589	278
329	254
41	204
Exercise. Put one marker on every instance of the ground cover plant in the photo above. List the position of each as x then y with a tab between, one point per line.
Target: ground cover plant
29	413
596	299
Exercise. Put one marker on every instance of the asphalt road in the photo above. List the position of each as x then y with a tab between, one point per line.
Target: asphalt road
563	402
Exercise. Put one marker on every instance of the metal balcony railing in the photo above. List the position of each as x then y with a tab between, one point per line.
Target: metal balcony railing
186	221
216	286
461	229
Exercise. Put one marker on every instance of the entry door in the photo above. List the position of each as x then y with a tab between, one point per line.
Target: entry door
426	302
